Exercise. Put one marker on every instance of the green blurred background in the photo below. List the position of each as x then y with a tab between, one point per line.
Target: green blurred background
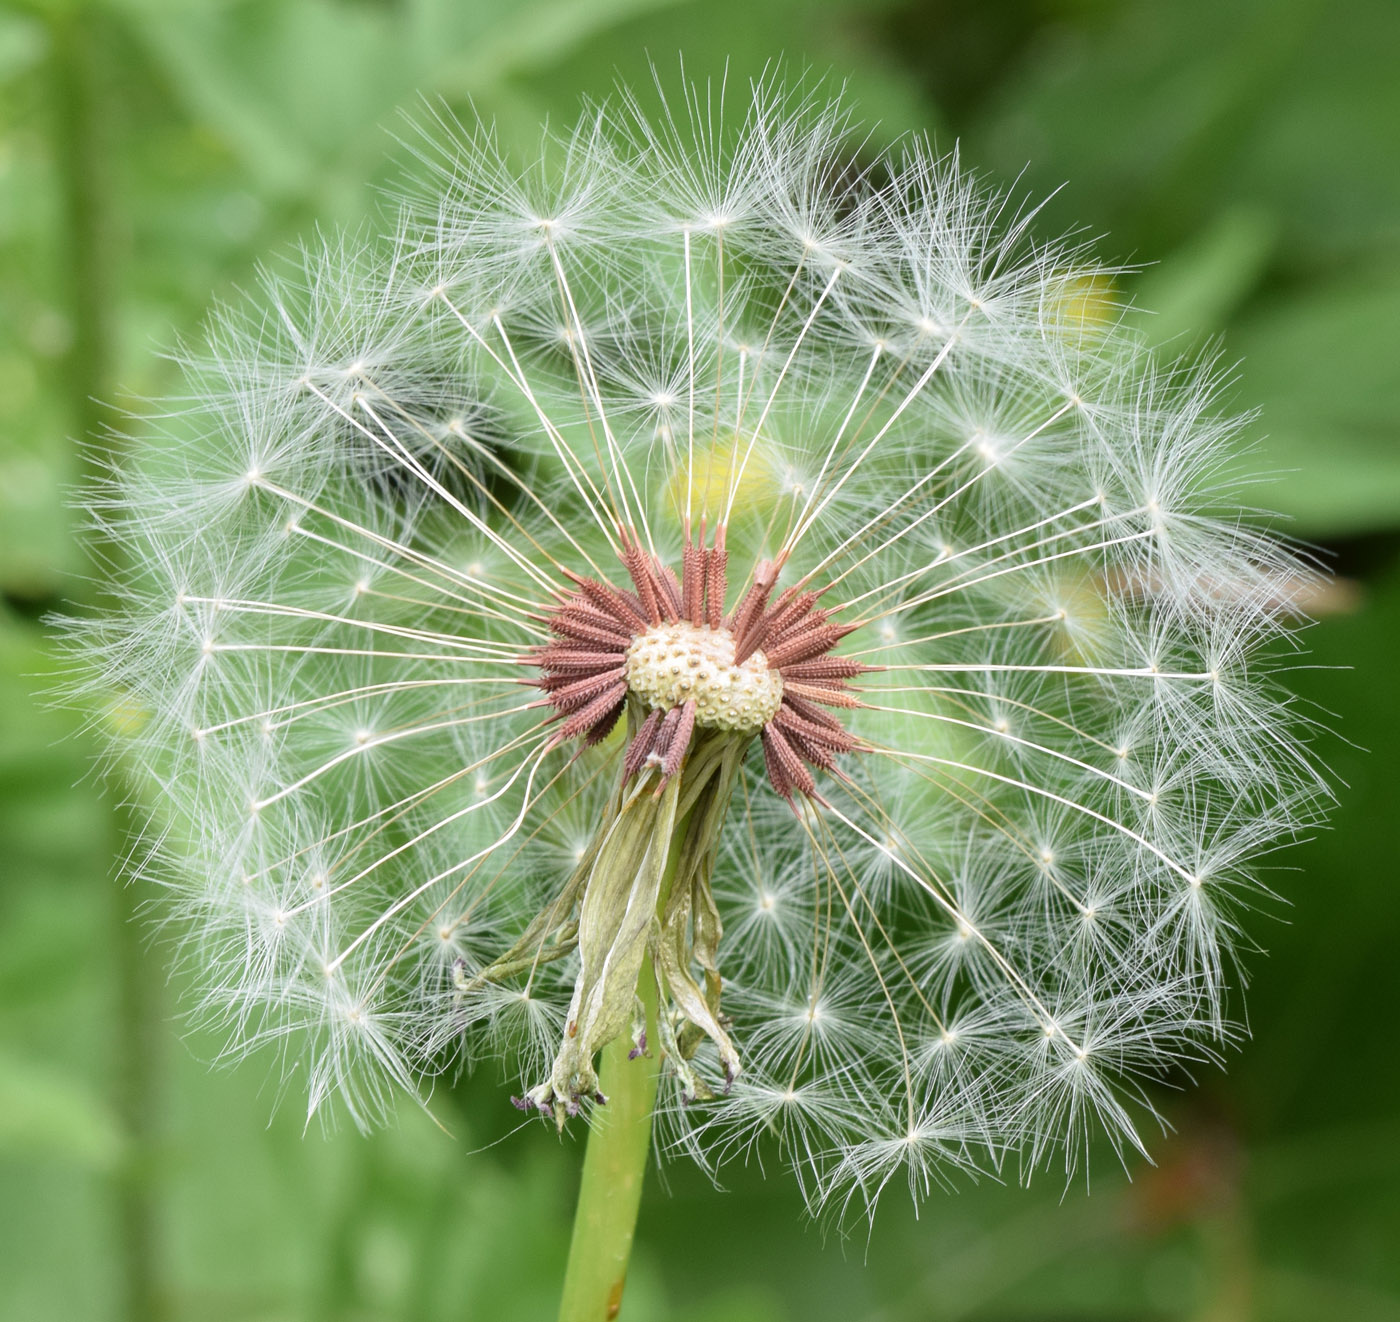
1246	152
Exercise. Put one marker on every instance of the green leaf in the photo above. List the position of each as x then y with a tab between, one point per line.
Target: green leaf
45	1112
1322	367
1195	290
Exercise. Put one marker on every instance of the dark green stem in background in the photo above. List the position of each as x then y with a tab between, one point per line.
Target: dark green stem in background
80	113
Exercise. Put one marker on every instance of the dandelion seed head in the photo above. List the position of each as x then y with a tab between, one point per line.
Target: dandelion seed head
684	479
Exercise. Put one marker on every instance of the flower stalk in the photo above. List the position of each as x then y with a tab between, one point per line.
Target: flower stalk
614	1170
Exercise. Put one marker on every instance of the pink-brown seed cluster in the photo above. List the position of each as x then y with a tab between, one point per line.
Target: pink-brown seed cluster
585	667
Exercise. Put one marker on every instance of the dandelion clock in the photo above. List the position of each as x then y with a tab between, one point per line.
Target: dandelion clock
737	630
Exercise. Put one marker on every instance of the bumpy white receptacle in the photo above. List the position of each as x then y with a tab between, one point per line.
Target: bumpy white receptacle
673	663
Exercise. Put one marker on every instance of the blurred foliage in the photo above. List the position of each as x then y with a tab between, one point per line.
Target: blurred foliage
1246	154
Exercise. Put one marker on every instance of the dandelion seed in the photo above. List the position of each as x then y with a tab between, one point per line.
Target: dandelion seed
698	597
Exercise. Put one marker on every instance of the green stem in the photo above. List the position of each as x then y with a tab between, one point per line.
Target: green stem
614	1168
615	1163
81	113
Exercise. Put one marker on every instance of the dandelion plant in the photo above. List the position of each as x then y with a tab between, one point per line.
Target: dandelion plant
731	624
